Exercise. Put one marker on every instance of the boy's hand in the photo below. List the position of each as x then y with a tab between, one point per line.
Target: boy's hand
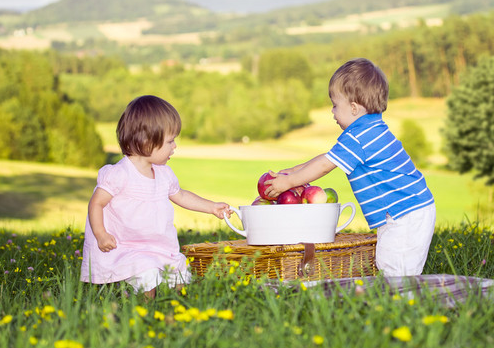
220	208
278	185
106	242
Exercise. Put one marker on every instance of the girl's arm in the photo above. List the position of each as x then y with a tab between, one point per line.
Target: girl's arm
99	200
191	201
305	173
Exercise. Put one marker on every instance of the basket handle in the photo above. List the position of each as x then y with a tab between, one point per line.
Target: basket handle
240	232
351	205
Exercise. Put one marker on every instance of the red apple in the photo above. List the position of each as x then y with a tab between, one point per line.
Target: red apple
289	197
314	194
299	189
332	196
261	187
261	201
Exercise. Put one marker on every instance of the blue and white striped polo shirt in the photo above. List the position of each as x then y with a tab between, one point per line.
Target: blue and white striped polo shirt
382	175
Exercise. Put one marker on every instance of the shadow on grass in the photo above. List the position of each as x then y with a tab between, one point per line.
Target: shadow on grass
25	194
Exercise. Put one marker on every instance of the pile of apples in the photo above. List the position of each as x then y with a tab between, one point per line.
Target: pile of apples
296	195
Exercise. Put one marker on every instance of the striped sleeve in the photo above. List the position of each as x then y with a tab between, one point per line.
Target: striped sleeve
347	153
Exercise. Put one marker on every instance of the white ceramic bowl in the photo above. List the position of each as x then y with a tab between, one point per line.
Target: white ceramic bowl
290	223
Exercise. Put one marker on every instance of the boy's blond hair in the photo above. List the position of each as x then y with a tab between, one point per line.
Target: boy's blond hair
362	82
145	123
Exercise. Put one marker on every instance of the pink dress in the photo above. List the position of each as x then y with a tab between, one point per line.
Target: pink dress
140	217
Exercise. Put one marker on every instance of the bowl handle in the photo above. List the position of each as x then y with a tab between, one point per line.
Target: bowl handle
240	232
351	205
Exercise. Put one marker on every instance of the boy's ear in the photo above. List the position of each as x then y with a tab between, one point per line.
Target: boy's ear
357	109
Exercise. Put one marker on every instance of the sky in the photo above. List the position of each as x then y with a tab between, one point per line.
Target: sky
23	5
245	6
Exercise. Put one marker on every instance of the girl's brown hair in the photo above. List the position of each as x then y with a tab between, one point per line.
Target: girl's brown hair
362	82
145	123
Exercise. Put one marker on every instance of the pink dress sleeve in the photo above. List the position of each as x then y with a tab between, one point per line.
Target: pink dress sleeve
173	180
111	178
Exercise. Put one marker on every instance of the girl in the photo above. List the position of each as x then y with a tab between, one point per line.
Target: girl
129	233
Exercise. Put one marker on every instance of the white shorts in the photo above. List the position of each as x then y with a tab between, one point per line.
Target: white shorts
403	244
153	277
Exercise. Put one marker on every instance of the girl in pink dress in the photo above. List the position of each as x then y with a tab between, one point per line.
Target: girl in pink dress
130	234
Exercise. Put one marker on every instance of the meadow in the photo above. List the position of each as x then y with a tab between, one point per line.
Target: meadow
43	304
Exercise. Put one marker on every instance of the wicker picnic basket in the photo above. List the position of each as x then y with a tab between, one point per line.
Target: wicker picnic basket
350	255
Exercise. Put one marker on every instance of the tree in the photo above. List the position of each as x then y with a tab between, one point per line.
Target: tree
469	129
415	142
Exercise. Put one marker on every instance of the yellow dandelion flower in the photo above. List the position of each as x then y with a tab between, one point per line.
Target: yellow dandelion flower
402	333
180	309
227	249
141	311
225	314
33	341
318	339
430	319
186	317
411	302
159	316
194	312
132	322
174	303
6	319
23	328
303	287
359	282
151	334
211	312
183	291
396	297
68	344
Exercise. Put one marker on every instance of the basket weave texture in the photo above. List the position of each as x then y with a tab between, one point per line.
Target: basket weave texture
351	255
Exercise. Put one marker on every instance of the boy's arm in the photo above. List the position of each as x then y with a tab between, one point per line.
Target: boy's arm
191	201
99	200
307	172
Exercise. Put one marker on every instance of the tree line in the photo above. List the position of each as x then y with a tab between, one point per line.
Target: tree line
49	102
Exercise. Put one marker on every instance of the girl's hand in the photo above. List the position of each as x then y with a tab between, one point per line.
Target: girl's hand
106	242
220	208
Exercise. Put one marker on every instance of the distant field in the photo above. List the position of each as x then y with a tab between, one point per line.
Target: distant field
401	17
46	197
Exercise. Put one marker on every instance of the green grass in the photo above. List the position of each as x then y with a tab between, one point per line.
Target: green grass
45	197
43	304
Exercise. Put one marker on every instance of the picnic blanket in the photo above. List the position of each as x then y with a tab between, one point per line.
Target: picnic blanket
447	289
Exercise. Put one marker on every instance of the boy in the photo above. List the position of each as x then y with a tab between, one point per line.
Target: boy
392	193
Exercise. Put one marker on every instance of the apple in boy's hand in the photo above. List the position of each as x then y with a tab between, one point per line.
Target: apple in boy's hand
314	194
261	187
332	196
289	197
261	201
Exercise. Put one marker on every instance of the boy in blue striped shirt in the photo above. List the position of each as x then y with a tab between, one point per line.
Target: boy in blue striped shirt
392	193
